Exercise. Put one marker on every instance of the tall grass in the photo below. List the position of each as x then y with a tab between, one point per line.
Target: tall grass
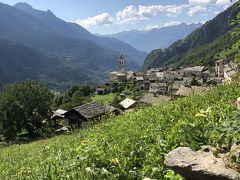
131	146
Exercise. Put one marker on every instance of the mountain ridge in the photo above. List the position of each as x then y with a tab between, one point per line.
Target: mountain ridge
148	40
75	31
199	47
82	59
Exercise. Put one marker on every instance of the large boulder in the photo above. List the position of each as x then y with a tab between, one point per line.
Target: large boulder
199	165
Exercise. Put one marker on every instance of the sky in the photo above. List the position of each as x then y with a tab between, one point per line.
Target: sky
113	16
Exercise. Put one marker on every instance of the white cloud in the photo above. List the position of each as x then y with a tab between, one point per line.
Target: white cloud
150	27
203	22
101	19
131	14
207	2
172	23
196	9
223	2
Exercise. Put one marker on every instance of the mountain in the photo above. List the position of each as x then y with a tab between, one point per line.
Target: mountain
77	32
19	62
156	38
81	59
200	47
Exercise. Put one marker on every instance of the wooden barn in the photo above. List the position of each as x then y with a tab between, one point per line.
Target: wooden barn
80	117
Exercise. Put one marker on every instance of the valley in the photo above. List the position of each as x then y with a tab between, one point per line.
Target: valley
139	90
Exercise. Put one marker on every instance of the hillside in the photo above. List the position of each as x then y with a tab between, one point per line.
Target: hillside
131	146
19	62
81	60
200	46
156	38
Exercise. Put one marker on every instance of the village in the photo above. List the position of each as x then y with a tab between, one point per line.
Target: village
156	86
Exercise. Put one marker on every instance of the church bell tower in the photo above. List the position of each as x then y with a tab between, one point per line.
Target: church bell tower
121	64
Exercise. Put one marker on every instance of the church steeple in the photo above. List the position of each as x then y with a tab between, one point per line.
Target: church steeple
121	64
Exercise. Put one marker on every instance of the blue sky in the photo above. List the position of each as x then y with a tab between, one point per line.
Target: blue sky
112	16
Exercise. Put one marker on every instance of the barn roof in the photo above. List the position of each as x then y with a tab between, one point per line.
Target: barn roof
127	103
139	78
187	91
58	114
92	110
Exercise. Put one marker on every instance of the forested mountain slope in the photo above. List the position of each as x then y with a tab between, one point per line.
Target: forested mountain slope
200	46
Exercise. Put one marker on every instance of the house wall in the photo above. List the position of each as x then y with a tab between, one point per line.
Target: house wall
219	66
73	119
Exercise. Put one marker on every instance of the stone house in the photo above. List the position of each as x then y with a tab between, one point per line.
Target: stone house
146	84
219	67
229	71
139	81
158	88
101	91
57	118
121	77
168	76
196	71
163	88
81	117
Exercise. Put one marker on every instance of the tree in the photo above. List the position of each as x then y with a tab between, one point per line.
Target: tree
24	106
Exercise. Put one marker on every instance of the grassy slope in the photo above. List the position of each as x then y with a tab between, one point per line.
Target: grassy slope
129	146
105	99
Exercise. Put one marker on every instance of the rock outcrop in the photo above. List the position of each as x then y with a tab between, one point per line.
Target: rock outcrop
200	165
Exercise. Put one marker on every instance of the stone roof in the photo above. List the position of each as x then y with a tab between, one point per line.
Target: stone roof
127	103
221	60
184	91
92	110
120	74
162	84
155	85
139	78
195	68
231	73
187	91
151	99
58	113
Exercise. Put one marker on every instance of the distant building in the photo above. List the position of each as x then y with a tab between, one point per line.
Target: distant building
219	67
127	103
146	84
100	91
229	71
57	116
121	77
139	81
113	75
158	88
130	75
187	91
154	88
81	116
168	76
163	88
193	71
121	64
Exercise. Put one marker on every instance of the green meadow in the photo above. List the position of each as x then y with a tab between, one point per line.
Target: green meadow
133	145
